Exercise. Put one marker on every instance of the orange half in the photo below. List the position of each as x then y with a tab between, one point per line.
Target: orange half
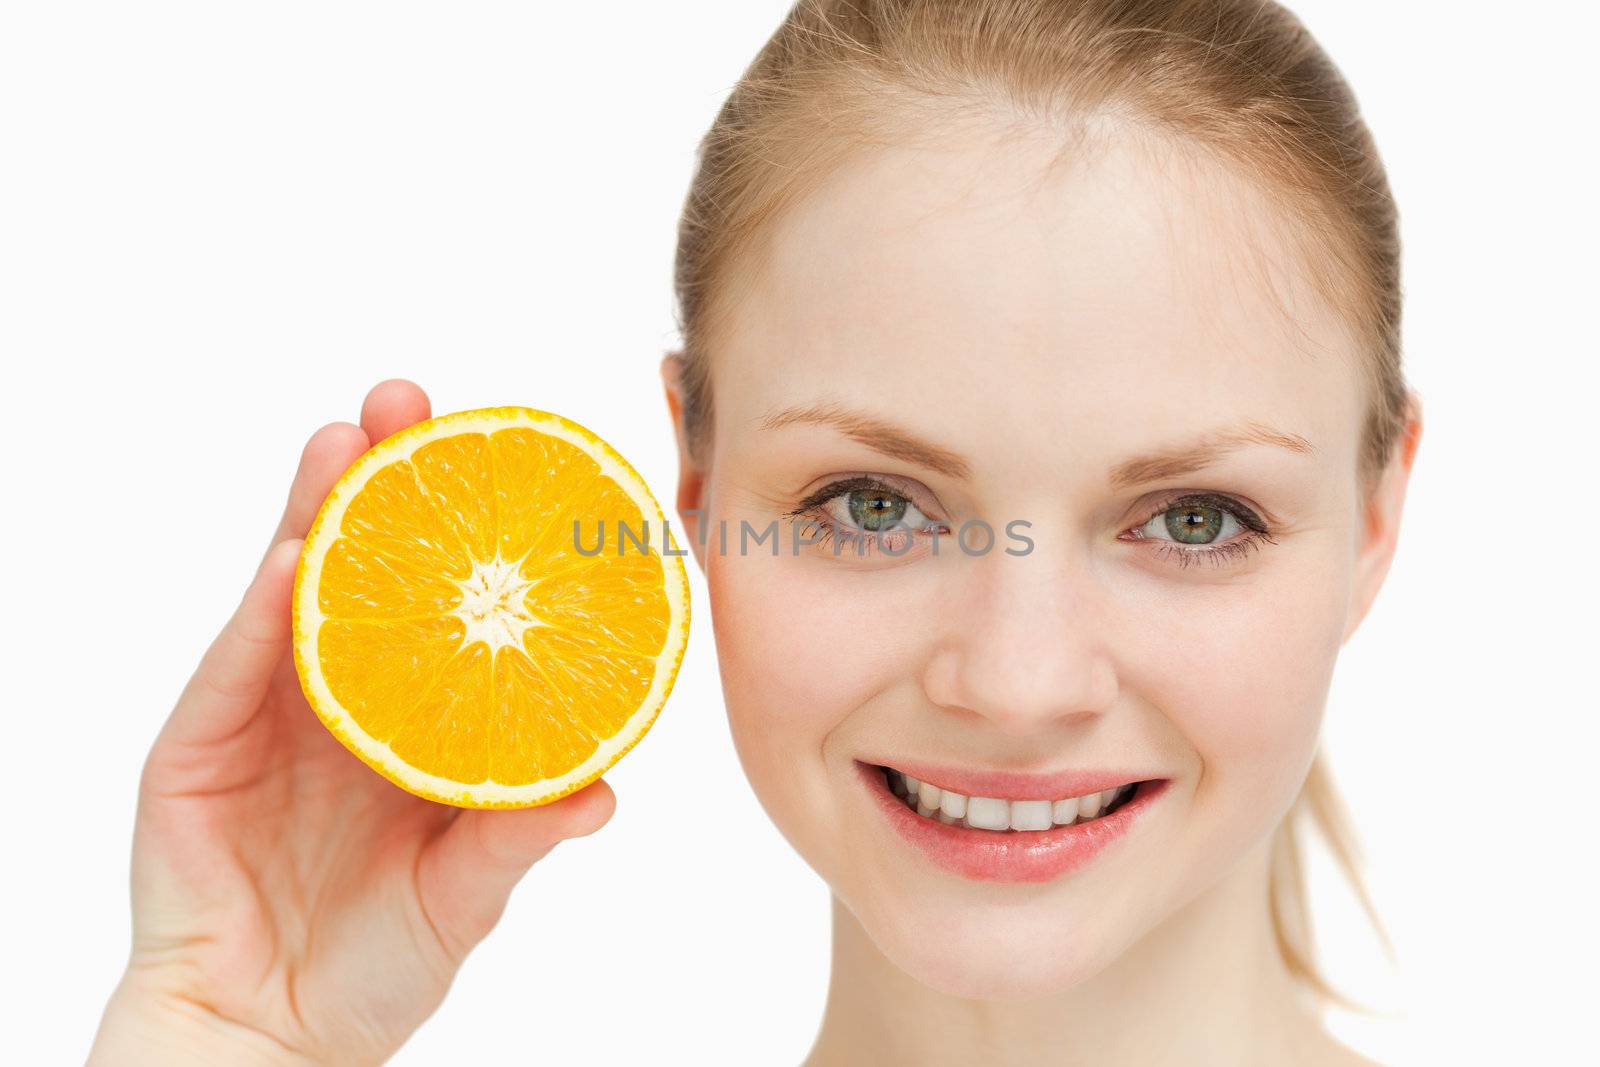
456	631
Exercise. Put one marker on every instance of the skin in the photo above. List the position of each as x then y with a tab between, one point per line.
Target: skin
1045	323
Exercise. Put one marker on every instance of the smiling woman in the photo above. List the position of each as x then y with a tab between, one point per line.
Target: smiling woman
1127	275
1077	323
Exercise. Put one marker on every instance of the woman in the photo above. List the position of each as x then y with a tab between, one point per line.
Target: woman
1118	284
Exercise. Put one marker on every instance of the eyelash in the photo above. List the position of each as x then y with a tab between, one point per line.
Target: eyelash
1257	531
812	507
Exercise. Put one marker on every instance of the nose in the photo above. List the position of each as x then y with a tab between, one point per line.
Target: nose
1024	647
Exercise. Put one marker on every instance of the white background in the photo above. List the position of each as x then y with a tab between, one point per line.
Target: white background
221	223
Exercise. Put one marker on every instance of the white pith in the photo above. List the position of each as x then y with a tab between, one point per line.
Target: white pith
492	604
483	609
987	813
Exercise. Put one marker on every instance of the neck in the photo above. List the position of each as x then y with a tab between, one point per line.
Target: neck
1206	986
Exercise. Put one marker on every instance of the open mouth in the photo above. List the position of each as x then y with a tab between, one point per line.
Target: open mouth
1002	815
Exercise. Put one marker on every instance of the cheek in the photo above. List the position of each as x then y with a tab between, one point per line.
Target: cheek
1247	688
793	668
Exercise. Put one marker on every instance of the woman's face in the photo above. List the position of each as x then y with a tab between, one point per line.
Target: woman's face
1073	349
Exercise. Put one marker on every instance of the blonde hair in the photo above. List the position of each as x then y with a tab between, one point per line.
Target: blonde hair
1242	79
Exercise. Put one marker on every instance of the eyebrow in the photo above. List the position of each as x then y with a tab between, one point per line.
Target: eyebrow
1199	454
890	440
877	434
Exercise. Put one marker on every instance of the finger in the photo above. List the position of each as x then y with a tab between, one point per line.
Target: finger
227	687
466	874
391	406
327	455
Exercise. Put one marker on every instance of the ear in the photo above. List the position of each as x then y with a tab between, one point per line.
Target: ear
690	500
1380	525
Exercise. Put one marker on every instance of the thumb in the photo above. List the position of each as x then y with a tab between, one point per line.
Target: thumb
232	678
466	874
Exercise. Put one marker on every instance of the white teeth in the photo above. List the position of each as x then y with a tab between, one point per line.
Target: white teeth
953	804
1089	806
1030	814
988	813
997	813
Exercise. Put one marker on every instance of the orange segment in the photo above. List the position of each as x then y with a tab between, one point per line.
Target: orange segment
523	456
532	733
576	577
611	680
450	631
447	731
394	514
376	669
456	473
360	581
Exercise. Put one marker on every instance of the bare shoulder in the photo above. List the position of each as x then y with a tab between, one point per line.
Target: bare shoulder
1357	1060
1316	1046
1341	1055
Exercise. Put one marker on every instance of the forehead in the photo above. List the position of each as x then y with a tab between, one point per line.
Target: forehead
1000	286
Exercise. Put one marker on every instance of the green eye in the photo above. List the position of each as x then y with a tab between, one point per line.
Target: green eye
1219	529
874	510
1194	524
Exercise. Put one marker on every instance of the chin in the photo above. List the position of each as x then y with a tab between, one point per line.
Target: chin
1003	949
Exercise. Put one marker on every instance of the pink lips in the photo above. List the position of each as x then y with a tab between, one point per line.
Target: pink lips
1015	785
1018	855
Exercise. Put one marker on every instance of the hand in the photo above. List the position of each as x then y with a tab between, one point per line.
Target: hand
290	905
